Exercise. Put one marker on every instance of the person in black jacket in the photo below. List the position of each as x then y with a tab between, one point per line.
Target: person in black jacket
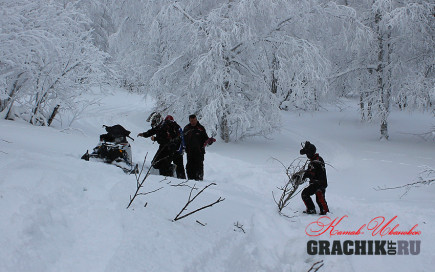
316	172
195	138
167	134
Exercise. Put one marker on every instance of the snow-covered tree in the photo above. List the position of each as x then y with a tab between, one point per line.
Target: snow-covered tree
240	62
100	19
47	59
201	74
310	42
397	67
130	44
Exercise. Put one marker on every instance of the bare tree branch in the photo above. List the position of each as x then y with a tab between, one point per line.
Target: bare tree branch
316	266
428	136
139	184
295	174
190	200
239	226
183	184
141	169
288	216
426	177
197	210
150	191
202	224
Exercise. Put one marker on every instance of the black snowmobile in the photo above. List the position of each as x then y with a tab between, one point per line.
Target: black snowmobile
114	148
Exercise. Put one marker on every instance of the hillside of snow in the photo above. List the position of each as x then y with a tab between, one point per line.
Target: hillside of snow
61	213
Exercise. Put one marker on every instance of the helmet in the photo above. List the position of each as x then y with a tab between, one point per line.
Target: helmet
169	117
155	118
309	149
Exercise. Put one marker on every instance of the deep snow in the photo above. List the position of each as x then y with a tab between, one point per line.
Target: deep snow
60	213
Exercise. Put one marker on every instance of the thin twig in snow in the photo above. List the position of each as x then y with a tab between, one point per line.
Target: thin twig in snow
139	184
316	266
183	184
239	226
202	224
427	177
150	191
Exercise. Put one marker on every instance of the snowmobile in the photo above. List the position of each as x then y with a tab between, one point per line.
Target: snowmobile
114	148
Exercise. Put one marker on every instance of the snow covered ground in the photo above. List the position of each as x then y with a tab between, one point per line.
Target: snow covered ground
61	213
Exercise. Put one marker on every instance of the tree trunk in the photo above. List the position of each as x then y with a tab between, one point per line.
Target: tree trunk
384	129
8	115
53	114
383	93
274	87
386	90
15	88
225	131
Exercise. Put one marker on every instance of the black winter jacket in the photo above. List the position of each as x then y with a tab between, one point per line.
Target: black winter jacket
166	132
194	138
316	171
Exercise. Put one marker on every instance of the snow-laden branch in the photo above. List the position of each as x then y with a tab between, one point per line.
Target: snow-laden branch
350	70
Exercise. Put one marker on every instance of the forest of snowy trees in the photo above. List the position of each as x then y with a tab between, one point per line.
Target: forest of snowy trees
234	63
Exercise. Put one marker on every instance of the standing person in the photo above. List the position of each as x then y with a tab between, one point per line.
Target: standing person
195	138
316	172
168	136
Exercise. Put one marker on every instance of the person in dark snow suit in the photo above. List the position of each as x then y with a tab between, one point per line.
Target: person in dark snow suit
195	137
316	173
167	134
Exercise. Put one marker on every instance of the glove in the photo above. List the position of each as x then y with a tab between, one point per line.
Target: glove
140	135
299	180
209	141
297	177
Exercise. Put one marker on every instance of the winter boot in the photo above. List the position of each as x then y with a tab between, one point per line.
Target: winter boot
309	211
